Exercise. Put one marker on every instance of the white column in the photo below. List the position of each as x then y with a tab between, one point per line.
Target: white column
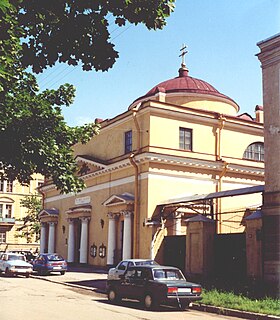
43	238
127	232
51	237
71	242
84	241
112	243
177	224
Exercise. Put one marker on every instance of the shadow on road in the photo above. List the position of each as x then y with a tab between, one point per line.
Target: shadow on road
96	285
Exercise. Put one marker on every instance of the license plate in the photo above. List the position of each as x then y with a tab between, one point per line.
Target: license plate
184	290
56	268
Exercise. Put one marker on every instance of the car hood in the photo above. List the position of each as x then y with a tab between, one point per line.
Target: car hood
19	263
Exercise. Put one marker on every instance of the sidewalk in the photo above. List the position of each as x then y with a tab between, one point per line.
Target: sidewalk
93	279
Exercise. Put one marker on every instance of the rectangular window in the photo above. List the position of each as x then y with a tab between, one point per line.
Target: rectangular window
128	141
8	211
185	139
2	237
2	185
1	210
9	186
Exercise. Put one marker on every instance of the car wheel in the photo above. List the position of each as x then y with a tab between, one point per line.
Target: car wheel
62	272
113	296
7	272
184	305
149	302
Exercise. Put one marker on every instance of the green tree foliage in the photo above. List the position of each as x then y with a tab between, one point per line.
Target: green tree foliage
30	230
78	30
34	137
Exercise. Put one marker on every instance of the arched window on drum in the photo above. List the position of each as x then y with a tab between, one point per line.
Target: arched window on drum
255	151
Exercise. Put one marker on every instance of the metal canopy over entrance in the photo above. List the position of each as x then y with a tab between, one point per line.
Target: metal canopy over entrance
203	203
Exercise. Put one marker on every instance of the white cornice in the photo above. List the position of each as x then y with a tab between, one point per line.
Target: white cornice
172	160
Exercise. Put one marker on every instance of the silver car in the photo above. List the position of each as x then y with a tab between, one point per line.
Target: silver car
15	263
114	273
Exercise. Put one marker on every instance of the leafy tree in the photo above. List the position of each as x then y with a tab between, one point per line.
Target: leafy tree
30	229
34	137
78	30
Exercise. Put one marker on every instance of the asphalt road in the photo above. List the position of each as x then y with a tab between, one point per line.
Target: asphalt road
35	299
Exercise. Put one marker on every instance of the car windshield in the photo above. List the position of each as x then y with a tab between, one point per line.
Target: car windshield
145	262
54	257
16	257
168	274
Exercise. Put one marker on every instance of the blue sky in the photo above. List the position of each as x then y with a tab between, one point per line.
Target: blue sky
221	36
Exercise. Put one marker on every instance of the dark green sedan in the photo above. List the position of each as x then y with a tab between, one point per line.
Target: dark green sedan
154	285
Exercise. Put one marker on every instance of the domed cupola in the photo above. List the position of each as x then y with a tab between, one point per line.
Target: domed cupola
190	92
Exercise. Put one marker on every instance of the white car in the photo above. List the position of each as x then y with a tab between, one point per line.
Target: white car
15	263
121	267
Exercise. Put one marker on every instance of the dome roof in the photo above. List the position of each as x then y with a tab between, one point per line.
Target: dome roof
186	85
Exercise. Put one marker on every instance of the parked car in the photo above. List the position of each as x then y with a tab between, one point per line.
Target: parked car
14	264
46	263
154	285
115	273
27	253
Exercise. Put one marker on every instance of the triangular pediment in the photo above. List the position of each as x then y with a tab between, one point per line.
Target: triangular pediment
89	164
48	213
117	199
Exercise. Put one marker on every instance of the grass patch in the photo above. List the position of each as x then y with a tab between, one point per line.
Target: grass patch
231	300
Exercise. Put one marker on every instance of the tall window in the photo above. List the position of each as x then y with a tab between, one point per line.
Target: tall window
185	139
128	141
6	185
9	186
2	237
5	210
8	211
254	151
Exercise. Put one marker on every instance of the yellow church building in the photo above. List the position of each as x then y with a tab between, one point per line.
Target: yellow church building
178	143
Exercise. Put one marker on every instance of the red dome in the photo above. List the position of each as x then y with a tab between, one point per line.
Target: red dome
184	83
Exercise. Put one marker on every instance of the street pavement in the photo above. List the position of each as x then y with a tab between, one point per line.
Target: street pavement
84	277
94	279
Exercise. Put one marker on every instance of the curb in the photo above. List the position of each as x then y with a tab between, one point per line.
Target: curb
233	312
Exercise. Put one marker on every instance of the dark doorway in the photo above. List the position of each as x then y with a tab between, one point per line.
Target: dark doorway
230	255
77	231
174	251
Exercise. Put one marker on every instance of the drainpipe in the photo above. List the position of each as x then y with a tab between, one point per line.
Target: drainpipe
221	124
136	184
43	197
218	201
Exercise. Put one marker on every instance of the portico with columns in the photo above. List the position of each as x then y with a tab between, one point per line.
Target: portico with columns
78	234
120	227
48	219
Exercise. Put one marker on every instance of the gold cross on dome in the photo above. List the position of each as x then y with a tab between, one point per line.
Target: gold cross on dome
184	52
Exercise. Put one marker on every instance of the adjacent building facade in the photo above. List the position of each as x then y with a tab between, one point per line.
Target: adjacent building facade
12	213
182	139
269	57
